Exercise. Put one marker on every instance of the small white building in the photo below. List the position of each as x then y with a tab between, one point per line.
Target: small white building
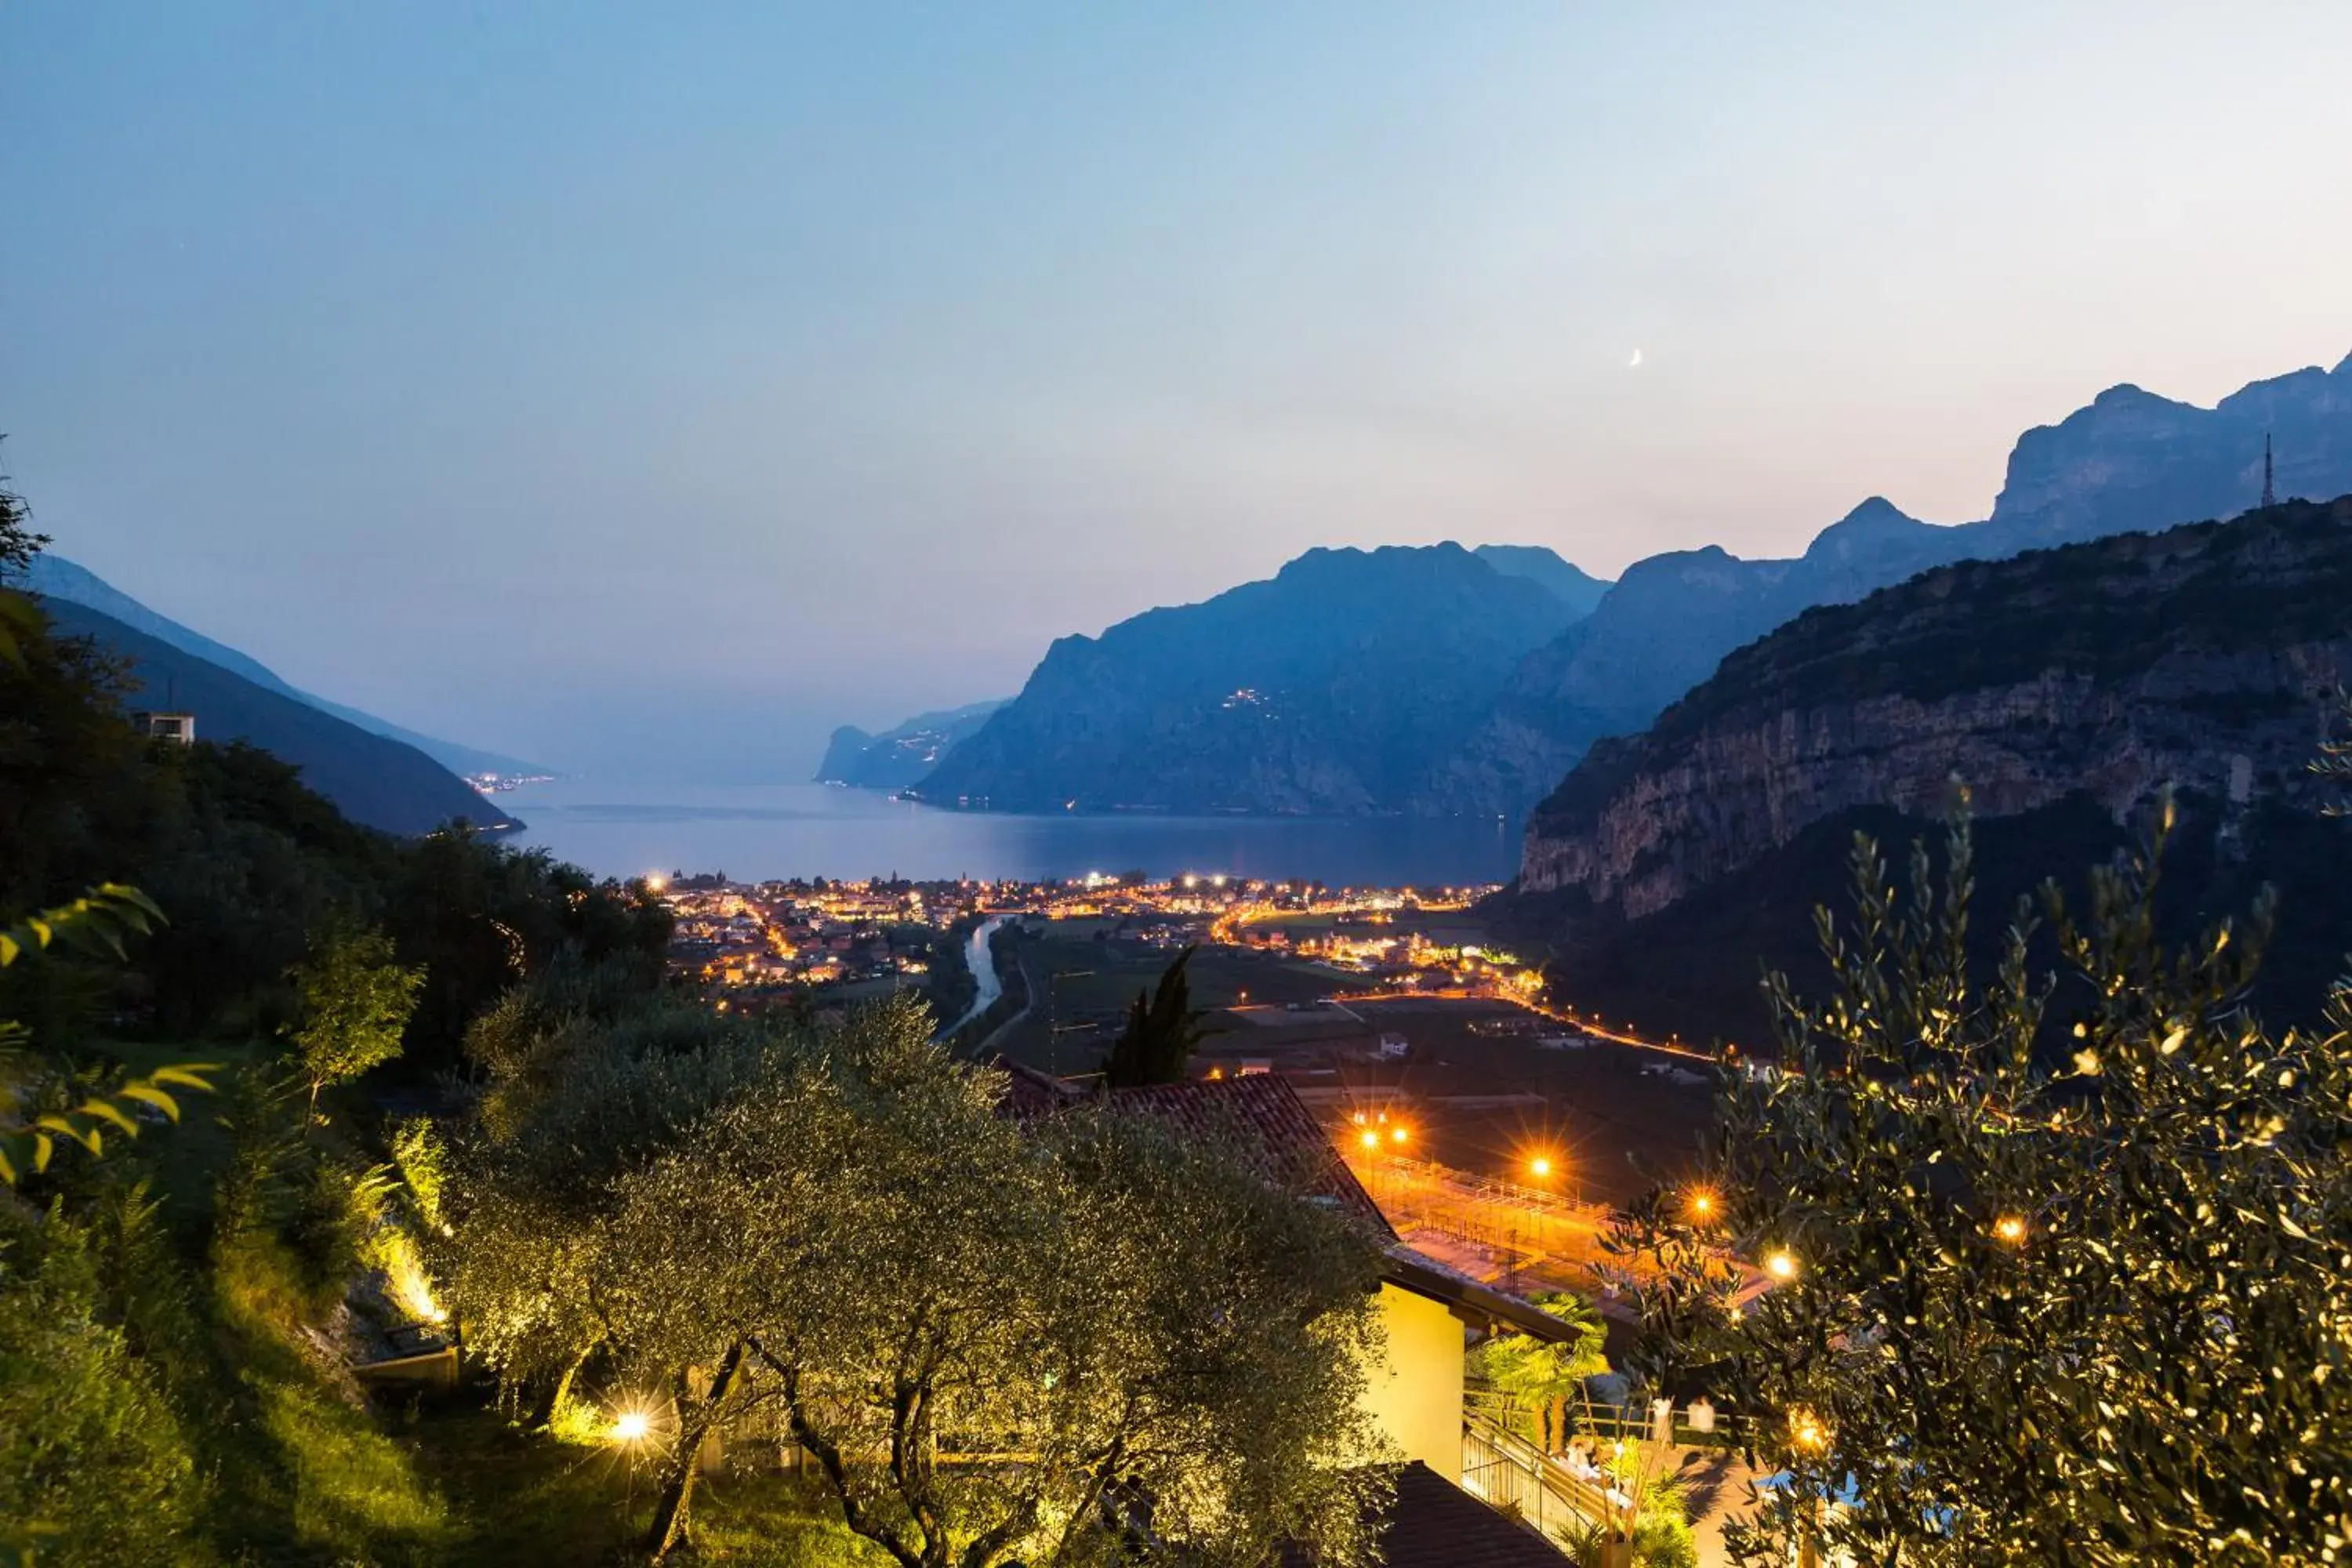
180	727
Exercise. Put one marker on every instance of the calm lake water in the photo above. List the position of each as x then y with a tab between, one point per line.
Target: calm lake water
756	832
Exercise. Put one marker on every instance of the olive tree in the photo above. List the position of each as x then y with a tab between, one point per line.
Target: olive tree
993	1340
356	1000
2089	1306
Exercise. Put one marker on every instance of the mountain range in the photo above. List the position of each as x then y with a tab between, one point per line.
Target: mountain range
2130	460
57	578
1178	708
1326	688
2063	687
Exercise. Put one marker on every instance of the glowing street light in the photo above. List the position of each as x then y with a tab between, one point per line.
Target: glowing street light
1539	1167
1702	1204
1781	1264
1370	1139
2011	1230
631	1426
1397	1133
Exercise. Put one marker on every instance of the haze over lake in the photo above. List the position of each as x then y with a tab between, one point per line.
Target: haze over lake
756	832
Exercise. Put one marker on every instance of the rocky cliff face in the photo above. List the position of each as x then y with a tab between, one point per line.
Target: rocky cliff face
2130	460
2204	656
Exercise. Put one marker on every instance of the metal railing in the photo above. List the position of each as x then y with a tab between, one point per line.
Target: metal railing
1605	1424
1506	1471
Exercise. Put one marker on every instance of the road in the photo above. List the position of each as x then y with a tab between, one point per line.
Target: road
1541	1233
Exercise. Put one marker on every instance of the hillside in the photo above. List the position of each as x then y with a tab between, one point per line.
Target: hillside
2064	685
899	756
55	577
374	780
1332	687
2130	460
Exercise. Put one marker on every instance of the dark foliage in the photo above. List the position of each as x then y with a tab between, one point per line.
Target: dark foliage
1161	1030
246	862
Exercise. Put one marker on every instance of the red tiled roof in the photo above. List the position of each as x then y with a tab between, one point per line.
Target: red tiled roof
1031	1092
1434	1523
1265	1119
1260	1115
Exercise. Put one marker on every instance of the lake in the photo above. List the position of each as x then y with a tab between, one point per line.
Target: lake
756	832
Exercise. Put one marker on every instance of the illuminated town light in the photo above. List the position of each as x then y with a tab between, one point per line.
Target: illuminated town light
631	1426
1702	1204
2009	1228
1539	1167
1371	1140
1781	1264
1397	1133
655	881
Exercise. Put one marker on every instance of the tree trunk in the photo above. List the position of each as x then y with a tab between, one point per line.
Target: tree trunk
676	1496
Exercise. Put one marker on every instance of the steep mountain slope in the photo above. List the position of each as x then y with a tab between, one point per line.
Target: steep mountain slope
2075	681
900	756
372	779
55	577
2130	460
1333	687
1570	584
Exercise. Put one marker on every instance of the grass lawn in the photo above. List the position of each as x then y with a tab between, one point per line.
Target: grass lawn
520	1496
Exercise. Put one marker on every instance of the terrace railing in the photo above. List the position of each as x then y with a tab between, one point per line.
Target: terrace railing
1507	1472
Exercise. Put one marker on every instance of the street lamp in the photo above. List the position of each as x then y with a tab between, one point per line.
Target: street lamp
1539	1167
1781	1264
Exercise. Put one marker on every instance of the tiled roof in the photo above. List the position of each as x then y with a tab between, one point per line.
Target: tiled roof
1434	1523
1260	1115
1031	1092
1474	1299
1265	1119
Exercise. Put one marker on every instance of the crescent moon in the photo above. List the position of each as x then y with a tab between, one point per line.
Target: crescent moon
1635	363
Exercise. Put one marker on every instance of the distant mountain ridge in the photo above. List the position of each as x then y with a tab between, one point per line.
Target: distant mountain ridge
1569	583
2063	687
901	755
55	577
2129	461
374	780
1326	689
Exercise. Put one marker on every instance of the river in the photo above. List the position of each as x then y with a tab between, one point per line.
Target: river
984	969
754	833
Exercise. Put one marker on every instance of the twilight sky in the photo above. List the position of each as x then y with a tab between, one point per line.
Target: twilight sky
646	389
